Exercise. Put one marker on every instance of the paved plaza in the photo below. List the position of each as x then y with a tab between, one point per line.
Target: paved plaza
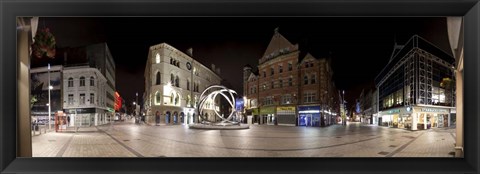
126	139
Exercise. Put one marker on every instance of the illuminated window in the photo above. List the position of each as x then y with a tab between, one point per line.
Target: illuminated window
157	98
157	58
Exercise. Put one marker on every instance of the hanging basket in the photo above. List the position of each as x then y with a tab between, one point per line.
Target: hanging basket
44	45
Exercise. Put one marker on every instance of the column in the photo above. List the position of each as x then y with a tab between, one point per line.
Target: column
459	103
23	103
414	121
96	119
449	115
424	121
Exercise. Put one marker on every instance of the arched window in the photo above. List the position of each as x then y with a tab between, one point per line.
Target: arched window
177	99
312	81
305	80
157	58
92	81
157	81
82	81
172	79
70	82
177	82
290	81
171	61
157	98
172	96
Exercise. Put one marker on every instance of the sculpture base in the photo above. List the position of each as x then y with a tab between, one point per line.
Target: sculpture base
219	126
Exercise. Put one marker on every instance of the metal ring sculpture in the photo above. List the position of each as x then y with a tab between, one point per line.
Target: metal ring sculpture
212	95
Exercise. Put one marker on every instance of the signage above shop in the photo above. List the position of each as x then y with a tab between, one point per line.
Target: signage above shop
286	109
433	110
394	111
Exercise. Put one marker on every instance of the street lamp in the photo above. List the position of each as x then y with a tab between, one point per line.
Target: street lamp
49	105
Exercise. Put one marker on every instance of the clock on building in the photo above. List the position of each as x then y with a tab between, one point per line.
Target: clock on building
189	66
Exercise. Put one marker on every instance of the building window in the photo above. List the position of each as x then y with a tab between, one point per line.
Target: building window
280	83
70	82
157	58
92	98
312	81
171	61
157	79
280	69
157	98
305	80
290	66
82	99
177	82
290	81
188	84
309	97
172	79
82	81
264	74
273	84
268	101
272	71
171	98
264	87
70	99
92	81
286	99
306	64
311	64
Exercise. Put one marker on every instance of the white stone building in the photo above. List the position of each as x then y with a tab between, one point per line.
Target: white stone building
85	96
173	84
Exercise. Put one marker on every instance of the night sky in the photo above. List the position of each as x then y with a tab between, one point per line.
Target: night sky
359	47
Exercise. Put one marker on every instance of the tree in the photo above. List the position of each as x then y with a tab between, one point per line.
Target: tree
447	84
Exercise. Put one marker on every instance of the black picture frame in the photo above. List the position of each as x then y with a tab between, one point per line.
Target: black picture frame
9	10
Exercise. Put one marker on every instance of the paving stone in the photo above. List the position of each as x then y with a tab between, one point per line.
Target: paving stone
353	140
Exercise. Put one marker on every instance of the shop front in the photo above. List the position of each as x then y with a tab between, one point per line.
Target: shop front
286	115
309	116
430	117
267	115
415	118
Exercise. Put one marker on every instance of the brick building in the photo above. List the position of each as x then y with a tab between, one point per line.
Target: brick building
290	88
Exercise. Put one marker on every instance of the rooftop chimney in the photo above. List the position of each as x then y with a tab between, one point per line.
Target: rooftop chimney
65	57
213	67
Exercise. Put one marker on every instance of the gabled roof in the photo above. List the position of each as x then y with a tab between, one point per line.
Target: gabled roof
306	57
278	42
252	75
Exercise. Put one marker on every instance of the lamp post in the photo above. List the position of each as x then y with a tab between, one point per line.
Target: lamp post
49	104
344	121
